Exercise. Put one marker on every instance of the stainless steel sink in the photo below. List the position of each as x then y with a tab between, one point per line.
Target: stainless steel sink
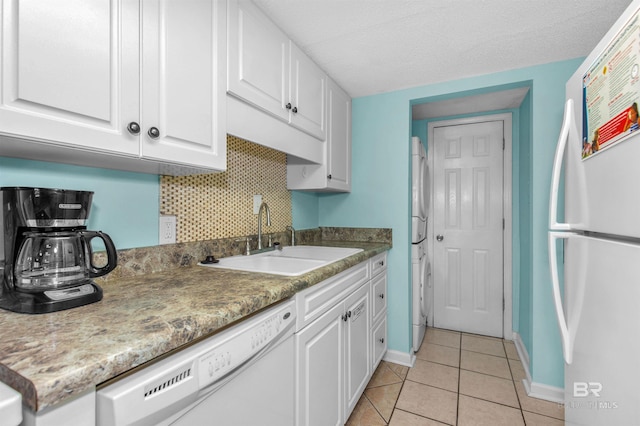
290	261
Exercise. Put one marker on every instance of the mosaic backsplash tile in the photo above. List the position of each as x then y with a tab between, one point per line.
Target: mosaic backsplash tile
220	205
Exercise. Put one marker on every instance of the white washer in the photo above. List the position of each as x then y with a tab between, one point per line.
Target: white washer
420	274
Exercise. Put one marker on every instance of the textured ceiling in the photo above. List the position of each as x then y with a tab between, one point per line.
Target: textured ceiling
376	46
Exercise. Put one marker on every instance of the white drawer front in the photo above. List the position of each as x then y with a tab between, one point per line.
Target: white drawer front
379	342
321	297
379	296
378	264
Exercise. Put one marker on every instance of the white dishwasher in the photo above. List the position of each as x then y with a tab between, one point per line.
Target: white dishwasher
241	376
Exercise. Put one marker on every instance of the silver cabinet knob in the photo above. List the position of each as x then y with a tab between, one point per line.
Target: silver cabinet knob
440	238
133	128
154	133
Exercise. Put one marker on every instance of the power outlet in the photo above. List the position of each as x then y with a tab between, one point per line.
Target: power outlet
257	201
167	234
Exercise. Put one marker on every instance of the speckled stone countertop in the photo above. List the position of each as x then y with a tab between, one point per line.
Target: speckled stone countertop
51	357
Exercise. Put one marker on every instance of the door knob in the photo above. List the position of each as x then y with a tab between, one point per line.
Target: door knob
440	238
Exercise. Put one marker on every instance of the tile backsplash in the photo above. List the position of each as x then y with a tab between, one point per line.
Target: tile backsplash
220	205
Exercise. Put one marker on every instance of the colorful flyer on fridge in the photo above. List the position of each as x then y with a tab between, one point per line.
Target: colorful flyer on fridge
611	92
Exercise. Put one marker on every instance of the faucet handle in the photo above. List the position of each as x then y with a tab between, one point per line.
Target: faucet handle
247	249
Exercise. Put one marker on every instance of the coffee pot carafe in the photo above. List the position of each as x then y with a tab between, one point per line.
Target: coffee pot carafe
48	255
56	260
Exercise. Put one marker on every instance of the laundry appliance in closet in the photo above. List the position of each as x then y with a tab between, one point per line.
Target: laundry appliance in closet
421	266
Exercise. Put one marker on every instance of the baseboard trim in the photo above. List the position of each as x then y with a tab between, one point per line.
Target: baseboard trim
401	358
536	390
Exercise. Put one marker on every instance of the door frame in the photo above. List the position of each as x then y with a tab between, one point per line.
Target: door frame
507	206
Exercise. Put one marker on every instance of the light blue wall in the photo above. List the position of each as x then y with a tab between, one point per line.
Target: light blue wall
125	205
380	197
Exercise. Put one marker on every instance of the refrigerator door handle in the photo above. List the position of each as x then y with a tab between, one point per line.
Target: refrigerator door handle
567	348
558	159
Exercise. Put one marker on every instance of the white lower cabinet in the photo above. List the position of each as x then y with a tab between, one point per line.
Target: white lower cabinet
335	348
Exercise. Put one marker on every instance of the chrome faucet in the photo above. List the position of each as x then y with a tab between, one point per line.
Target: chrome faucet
265	207
293	234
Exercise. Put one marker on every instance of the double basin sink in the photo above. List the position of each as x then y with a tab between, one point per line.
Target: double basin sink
290	261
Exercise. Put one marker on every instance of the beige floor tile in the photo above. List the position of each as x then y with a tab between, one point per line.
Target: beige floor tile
472	411
402	418
480	336
538	406
517	370
442	337
400	370
510	349
436	375
533	419
486	364
383	376
440	354
427	401
490	388
364	414
384	398
483	345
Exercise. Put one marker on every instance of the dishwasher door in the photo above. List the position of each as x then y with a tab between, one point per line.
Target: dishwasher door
241	376
262	395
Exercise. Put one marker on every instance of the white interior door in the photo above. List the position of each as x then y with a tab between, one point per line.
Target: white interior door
468	225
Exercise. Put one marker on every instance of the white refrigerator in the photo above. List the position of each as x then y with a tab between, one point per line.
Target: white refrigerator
594	249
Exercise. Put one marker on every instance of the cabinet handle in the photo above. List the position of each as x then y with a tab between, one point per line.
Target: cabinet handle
288	106
349	314
134	128
329	177
440	238
344	317
381	263
381	295
381	340
153	133
295	110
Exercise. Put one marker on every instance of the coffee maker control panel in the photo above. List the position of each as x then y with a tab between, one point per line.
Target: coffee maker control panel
70	293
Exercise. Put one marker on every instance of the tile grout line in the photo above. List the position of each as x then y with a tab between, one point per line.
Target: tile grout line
459	374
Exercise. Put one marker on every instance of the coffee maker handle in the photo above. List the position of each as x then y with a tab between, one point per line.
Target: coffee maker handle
112	256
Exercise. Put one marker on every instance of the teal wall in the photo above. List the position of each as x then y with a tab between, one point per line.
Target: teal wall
380	197
125	205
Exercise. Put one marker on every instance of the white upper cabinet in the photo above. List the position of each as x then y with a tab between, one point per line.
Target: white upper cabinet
267	70
334	173
106	83
70	72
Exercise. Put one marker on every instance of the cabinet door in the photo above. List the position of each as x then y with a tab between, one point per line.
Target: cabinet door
70	72
308	87
319	359
183	82
258	59
357	346
339	139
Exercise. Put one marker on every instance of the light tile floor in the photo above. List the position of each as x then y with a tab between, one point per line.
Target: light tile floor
458	379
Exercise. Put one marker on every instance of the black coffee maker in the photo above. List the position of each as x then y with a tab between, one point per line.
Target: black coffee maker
48	259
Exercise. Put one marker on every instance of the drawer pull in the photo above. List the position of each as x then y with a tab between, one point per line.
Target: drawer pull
381	295
381	263
381	340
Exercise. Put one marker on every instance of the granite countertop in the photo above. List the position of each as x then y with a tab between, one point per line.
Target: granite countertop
51	357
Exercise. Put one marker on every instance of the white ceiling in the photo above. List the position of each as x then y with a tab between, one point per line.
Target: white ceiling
377	46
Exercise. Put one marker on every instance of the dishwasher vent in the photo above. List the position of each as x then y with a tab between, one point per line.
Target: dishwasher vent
170	380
